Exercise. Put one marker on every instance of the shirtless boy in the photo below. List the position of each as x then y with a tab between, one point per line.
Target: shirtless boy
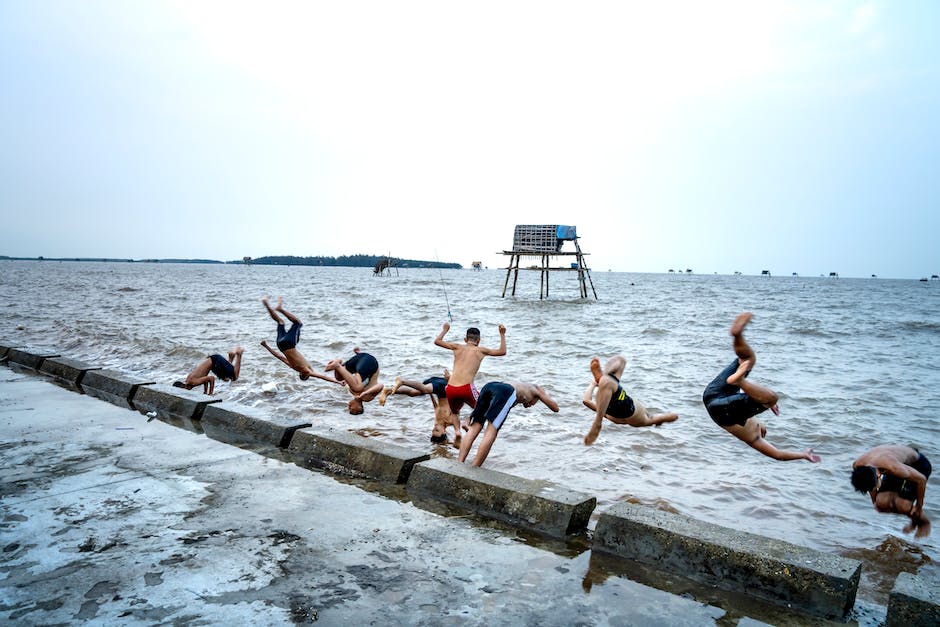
224	369
496	399
612	401
733	402
287	341
435	388
895	478
467	359
360	373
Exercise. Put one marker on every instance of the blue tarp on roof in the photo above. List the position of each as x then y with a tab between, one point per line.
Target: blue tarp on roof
566	232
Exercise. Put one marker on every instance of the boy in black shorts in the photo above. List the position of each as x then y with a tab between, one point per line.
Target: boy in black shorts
224	369
493	405
435	387
360	373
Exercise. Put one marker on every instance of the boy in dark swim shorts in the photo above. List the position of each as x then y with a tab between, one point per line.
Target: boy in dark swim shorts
613	403
287	340
895	477
496	399
435	388
467	359
360	373
732	400
220	367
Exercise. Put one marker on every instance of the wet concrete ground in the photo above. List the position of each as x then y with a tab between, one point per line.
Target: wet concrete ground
106	517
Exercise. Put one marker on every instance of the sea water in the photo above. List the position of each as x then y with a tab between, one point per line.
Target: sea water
853	360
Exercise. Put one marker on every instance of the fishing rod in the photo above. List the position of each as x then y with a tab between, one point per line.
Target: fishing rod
450	318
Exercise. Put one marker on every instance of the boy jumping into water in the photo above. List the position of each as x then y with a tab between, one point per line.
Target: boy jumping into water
224	369
467	359
496	399
287	341
612	401
895	477
360	374
435	387
732	401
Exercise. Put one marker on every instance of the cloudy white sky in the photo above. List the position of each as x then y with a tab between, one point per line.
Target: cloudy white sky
718	136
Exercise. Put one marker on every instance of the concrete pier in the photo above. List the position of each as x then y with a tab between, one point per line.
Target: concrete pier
780	572
539	506
914	602
238	424
348	453
169	402
65	369
30	357
115	387
112	520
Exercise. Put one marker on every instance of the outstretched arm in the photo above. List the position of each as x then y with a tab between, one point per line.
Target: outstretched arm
604	394
772	451
543	396
498	352
274	352
439	340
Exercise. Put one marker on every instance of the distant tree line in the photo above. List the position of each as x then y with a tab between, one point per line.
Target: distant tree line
354	261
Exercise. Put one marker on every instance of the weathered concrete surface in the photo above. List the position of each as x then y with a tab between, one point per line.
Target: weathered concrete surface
349	453
30	357
65	369
914	602
108	519
112	386
237	424
169	402
798	577
539	506
4	349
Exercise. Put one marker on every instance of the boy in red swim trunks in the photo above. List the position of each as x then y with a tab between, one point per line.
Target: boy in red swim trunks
467	359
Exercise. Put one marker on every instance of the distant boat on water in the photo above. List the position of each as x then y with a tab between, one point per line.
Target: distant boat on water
834	275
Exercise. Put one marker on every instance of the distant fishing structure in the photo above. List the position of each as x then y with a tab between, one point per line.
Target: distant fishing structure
545	241
384	266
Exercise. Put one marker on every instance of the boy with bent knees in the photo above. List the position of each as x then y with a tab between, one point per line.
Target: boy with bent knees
467	359
224	369
360	373
287	340
435	387
733	401
495	401
613	403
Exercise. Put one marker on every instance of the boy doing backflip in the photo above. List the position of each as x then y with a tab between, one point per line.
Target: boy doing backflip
287	340
733	402
612	401
467	359
224	369
360	373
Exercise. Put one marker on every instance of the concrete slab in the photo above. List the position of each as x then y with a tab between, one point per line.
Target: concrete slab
348	453
112	520
797	577
539	506
112	386
65	369
914	602
4	349
239	424
172	402
30	357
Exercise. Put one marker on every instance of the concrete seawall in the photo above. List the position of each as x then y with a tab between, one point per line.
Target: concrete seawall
808	581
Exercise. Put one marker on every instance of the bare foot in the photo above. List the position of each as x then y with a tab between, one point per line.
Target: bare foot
384	394
332	364
811	456
464	426
596	369
264	343
447	374
396	385
737	327
239	350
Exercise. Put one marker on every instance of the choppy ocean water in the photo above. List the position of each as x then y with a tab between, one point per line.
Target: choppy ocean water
855	362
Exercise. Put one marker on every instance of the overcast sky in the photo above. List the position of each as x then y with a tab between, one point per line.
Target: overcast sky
716	136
